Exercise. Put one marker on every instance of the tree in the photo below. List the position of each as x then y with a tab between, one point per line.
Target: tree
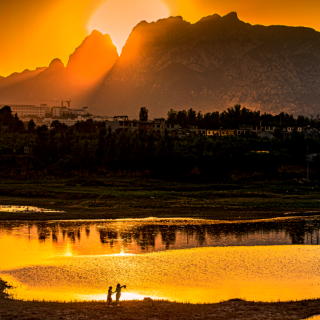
6	115
42	130
17	125
278	134
172	116
58	126
143	115
31	125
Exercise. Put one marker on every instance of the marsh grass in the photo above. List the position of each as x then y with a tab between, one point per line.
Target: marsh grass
109	198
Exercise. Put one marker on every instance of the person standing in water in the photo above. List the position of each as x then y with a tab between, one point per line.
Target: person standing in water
109	299
118	291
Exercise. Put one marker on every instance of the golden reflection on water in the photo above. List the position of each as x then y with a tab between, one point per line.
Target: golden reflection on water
24	209
195	275
80	263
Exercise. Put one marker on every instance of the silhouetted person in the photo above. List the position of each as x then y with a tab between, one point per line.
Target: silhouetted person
118	291
109	299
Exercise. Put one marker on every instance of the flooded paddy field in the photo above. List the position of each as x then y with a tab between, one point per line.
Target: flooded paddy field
183	260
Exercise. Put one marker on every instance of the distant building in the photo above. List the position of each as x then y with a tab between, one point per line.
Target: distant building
221	132
172	127
80	112
68	122
202	132
159	125
146	126
29	110
60	111
242	132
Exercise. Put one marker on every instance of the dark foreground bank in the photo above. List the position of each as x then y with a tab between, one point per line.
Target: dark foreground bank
118	198
233	309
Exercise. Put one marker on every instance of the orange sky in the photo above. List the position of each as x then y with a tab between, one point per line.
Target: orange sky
34	32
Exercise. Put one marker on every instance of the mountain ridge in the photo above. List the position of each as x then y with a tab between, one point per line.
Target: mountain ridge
210	65
225	61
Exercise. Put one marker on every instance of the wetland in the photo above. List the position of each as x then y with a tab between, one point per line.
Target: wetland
220	251
183	260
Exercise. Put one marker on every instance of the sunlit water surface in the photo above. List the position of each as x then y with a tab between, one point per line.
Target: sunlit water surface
25	209
184	260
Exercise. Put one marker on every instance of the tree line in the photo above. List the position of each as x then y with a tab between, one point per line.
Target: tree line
164	156
237	116
90	147
231	118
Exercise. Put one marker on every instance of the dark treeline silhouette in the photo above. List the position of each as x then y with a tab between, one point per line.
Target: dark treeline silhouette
235	117
144	235
89	147
168	156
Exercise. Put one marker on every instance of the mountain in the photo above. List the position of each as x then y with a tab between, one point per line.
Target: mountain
18	77
211	65
93	58
86	66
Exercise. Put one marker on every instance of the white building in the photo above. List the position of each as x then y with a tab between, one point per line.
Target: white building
29	110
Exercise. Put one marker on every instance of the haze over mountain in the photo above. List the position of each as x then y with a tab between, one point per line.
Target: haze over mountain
210	65
86	66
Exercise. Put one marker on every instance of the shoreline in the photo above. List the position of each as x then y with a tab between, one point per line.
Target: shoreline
157	309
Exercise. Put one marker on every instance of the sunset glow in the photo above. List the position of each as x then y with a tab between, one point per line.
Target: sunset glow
119	17
58	27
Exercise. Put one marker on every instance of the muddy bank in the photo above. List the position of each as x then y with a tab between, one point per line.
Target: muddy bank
233	309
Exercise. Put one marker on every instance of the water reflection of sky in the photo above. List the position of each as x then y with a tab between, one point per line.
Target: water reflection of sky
143	236
261	260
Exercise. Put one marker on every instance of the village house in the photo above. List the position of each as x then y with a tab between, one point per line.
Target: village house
159	126
221	132
172	127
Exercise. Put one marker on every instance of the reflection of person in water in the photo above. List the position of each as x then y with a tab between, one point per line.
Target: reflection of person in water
109	299
118	291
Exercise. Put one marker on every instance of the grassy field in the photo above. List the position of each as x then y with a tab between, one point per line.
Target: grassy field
112	198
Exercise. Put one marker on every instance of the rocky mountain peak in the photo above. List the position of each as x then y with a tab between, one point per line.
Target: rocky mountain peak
145	37
213	17
56	64
93	58
232	16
